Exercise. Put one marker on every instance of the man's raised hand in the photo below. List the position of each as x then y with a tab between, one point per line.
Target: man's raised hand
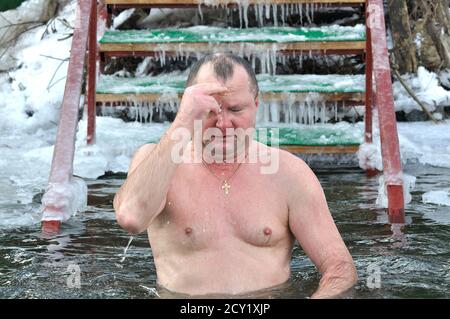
197	103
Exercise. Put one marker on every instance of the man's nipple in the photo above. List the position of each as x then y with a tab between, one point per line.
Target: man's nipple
267	231
188	231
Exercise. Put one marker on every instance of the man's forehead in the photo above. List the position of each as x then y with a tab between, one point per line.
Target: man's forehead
238	82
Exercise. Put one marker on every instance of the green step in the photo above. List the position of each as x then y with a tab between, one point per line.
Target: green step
174	83
340	134
311	135
207	34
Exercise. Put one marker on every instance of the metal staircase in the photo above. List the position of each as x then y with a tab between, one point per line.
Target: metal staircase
373	88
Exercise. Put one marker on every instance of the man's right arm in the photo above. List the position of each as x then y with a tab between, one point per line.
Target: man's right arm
143	195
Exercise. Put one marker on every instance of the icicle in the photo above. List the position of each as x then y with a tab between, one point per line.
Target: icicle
301	112
274	112
266	115
316	106
300	12
282	14
307	112
200	12
335	110
262	61
307	10
152	107
267	11
246	15
307	13
273	57
162	57
291	114
275	15
343	110
261	15
146	111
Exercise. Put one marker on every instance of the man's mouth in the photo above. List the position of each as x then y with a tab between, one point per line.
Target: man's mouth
222	139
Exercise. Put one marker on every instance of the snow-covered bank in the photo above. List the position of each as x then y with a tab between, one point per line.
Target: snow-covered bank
13	23
426	87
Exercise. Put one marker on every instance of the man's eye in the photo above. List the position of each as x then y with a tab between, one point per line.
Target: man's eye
235	109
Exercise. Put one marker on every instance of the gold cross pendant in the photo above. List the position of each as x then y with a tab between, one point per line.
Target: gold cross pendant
226	187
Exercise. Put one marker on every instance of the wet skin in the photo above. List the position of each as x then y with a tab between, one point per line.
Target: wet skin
205	241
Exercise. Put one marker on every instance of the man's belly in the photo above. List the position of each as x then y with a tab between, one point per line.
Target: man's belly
231	270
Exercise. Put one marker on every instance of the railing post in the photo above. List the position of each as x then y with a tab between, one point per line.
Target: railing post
92	73
62	163
102	24
369	84
390	149
369	90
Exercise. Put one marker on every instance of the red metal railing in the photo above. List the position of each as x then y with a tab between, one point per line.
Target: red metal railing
85	39
92	74
63	154
377	64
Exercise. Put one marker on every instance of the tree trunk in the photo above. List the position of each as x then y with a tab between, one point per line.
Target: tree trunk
421	34
438	25
404	48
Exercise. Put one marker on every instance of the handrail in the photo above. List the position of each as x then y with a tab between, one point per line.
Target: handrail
54	201
84	38
390	149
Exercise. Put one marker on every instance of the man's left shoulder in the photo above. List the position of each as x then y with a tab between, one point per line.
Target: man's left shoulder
292	163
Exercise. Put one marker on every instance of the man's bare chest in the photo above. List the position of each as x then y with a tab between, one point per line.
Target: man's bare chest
200	214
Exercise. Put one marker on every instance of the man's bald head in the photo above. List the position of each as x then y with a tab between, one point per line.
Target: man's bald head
223	65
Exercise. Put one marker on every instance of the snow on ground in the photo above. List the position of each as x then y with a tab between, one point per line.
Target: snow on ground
426	86
438	197
31	95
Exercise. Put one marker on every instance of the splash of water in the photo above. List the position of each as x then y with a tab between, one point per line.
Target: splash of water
126	249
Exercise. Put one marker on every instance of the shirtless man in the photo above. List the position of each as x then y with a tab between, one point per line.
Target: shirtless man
218	227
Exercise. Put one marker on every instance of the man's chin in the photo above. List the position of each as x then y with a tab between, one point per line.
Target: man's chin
225	150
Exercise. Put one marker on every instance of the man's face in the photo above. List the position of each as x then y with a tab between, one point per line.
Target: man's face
238	109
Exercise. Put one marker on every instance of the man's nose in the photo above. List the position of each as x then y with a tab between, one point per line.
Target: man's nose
223	120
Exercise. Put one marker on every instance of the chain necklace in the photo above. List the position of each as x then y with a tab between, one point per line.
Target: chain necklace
226	186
